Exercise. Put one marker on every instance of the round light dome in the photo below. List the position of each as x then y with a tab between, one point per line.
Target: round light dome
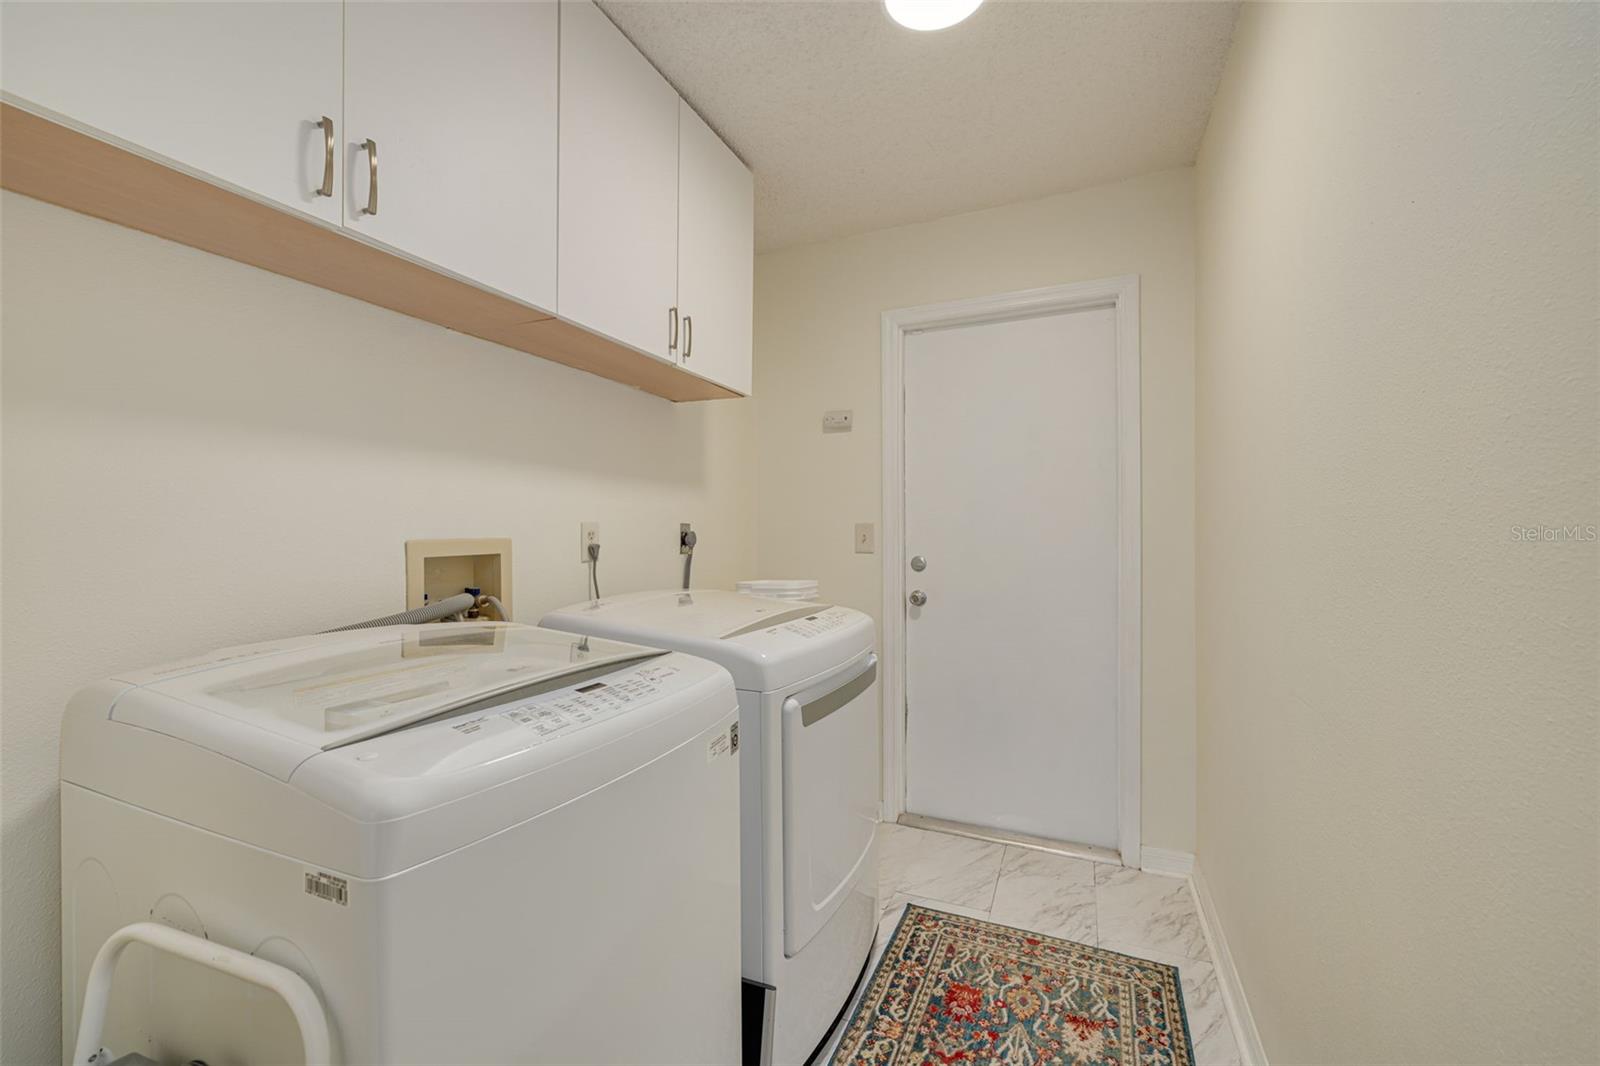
929	14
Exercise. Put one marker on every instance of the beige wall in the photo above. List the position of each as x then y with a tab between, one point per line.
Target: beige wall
197	453
1397	366
818	348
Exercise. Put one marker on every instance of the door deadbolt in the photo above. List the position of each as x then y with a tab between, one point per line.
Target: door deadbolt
918	563
918	598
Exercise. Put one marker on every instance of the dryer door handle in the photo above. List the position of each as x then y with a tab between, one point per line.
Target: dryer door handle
822	704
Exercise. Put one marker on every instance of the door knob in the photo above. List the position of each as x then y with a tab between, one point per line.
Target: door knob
918	597
918	563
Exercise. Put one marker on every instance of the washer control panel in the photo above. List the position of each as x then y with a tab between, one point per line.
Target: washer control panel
484	737
559	712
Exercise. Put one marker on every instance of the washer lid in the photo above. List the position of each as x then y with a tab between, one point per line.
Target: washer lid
766	644
272	706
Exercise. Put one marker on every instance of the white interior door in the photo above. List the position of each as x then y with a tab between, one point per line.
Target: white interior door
460	99
1011	501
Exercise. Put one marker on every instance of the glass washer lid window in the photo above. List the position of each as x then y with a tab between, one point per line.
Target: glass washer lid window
325	697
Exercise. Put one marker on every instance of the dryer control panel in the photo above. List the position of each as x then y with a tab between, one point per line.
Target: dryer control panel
815	625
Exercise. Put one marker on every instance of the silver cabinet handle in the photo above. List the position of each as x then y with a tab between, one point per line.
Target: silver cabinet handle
327	156
371	147
918	598
688	336
672	336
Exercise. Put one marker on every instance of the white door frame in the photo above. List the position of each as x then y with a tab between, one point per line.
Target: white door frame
1122	294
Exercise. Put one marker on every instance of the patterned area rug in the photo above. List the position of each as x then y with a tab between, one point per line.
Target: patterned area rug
958	990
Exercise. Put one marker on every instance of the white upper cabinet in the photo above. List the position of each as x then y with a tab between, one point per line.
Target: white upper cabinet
524	146
236	91
459	100
619	186
716	255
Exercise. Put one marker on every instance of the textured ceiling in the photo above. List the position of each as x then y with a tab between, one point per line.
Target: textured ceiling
853	123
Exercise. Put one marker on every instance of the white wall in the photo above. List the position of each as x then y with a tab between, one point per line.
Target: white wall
817	348
197	453
1397	367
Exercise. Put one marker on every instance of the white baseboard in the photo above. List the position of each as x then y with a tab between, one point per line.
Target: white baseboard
1245	1035
1163	861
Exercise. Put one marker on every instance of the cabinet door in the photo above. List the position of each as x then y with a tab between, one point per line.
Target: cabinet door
619	185
460	100
234	90
716	255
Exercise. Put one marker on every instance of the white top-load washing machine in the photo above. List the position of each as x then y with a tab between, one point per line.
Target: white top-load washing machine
808	732
477	842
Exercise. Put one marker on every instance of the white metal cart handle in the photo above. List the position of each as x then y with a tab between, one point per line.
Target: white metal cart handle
290	986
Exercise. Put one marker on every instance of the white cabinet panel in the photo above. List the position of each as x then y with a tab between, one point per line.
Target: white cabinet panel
234	90
460	99
619	185
716	255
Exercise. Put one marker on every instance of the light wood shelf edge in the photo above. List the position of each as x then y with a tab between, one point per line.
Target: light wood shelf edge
61	165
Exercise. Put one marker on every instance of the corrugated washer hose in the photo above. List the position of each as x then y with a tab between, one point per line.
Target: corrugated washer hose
432	612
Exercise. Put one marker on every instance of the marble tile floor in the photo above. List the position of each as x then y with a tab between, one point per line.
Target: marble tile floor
1136	913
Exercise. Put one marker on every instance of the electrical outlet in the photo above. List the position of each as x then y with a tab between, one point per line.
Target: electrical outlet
588	533
866	538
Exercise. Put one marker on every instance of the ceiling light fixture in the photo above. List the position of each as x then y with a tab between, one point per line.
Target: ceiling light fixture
929	14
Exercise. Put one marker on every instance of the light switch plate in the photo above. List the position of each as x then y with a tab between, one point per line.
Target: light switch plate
838	421
866	538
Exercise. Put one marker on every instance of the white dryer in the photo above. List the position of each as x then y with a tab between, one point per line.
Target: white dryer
477	842
808	731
